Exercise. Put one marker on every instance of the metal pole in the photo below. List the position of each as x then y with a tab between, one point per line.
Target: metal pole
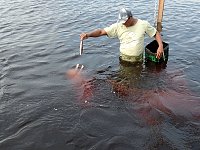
160	15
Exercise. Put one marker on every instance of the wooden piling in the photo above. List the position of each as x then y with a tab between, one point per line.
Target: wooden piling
160	15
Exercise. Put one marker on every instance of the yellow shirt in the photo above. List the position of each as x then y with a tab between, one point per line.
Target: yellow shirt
131	38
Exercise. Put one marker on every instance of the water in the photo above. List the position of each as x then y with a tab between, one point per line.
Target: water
109	106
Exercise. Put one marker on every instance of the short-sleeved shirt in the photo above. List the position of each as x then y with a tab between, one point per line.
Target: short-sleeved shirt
131	38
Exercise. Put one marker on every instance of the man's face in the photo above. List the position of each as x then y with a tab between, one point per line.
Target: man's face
127	23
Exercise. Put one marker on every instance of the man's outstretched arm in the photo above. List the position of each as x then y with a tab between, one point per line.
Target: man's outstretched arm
95	33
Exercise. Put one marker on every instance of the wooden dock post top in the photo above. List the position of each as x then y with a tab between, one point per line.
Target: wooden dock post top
160	15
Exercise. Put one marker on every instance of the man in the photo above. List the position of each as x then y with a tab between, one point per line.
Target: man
130	31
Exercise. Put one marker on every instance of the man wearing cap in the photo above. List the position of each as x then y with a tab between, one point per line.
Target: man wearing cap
130	31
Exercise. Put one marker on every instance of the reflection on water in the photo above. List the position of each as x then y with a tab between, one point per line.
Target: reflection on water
83	86
130	83
138	76
123	106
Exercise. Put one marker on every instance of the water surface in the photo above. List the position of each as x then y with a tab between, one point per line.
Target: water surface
109	105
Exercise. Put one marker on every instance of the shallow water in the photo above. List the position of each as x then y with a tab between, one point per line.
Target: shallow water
108	105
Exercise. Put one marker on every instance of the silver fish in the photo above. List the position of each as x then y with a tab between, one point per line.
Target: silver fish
81	47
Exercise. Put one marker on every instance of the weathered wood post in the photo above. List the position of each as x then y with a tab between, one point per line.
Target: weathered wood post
160	15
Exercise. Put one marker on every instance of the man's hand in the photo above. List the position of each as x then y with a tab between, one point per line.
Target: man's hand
83	36
160	52
95	33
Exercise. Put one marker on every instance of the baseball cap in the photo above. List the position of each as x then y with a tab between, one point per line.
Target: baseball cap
124	14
